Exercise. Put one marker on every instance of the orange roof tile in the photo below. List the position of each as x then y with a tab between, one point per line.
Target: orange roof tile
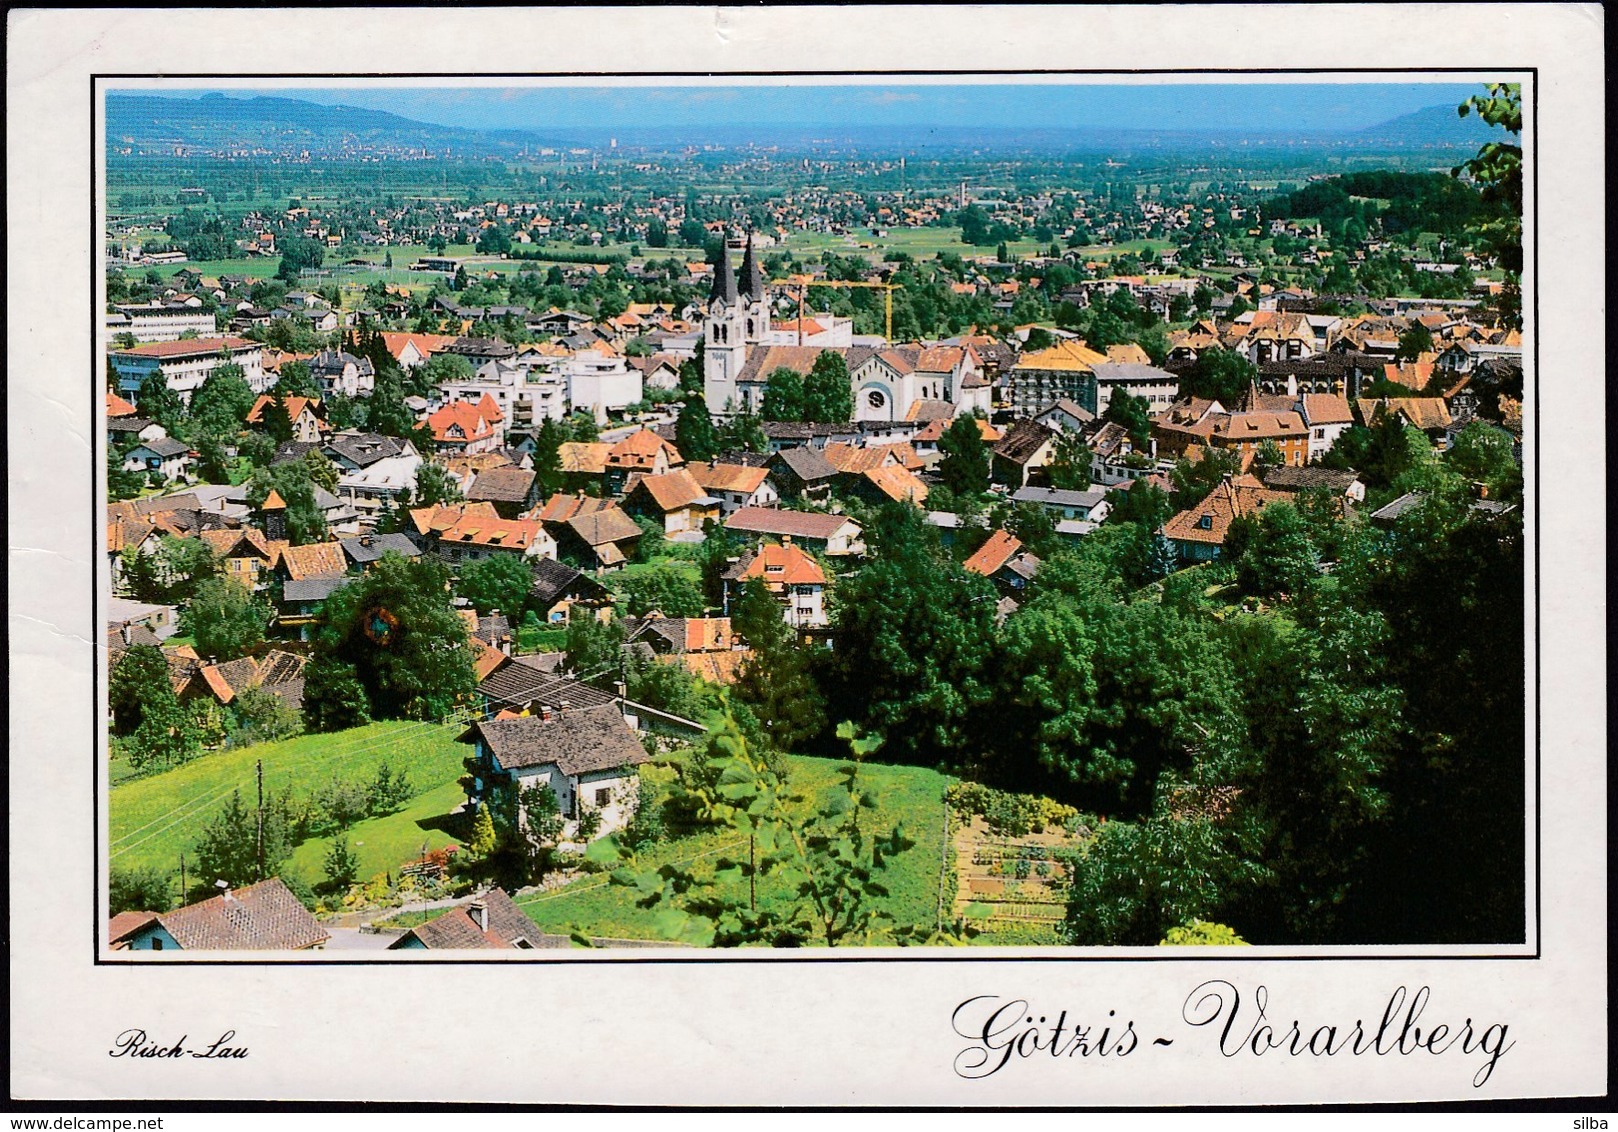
784	565
994	554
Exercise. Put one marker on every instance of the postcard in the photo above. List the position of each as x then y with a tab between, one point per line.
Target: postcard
815	556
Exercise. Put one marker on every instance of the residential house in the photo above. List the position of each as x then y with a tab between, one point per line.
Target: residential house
373	470
488	921
245	553
1198	534
1429	414
1026	448
1003	561
304	412
1157	387
1065	371
559	590
794	578
586	755
584	463
802	474
891	483
161	620
261	917
1326	416
411	350
461	428
1066	416
835	536
642	451
509	489
303	600
365	551
185	365
163	456
735	485
1084	506
598	540
674	499
337	371
1341	483
472	532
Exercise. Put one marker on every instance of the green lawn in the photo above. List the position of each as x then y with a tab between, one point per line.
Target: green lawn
912	796
382	844
541	640
153	820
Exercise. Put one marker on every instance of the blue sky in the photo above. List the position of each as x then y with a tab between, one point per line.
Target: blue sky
1263	106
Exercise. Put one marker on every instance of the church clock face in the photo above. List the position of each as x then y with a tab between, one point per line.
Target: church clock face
876	399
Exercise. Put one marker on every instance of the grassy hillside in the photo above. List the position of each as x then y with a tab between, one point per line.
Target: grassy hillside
912	796
153	820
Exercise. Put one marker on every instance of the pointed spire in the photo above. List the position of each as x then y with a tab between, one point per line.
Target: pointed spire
724	279
752	277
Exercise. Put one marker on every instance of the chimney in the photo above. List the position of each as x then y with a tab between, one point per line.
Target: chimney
479	911
561	709
224	890
620	689
545	713
367	540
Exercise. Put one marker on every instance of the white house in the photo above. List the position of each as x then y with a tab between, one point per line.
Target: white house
587	756
160	322
185	365
169	457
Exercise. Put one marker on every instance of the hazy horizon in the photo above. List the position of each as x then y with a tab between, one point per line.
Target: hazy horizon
1167	106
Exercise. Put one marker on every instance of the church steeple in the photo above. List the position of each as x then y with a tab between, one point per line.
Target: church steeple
752	277
724	279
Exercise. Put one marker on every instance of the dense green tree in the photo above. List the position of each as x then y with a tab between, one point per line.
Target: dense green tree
1218	374
397	628
221	404
1069	469
743	433
964	468
139	890
306	523
140	679
499	582
157	402
548	441
435	486
296	381
225	619
333	697
913	637
1414	341
1133	415
229	848
694	433
595	649
783	396
664	589
440	369
775	679
828	396
341	865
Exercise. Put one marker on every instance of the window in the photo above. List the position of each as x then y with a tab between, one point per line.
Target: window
1205	522
603	797
157	944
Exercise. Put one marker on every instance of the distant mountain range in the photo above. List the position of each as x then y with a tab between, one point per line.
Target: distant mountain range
219	123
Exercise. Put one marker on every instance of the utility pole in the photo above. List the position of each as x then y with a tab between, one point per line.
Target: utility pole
752	875
260	822
182	878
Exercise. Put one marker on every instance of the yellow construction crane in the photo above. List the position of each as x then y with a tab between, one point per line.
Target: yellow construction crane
803	283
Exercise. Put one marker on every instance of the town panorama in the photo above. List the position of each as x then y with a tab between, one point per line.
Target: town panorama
829	535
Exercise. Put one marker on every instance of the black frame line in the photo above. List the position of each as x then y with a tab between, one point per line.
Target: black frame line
719	955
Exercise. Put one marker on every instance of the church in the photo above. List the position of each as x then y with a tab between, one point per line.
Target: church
742	346
740	341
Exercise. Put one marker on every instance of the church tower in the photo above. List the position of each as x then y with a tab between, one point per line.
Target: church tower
738	318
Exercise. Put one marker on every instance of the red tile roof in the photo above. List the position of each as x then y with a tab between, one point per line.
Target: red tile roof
994	554
190	347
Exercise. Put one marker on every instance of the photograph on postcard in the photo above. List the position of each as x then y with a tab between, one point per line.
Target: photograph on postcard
587	515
